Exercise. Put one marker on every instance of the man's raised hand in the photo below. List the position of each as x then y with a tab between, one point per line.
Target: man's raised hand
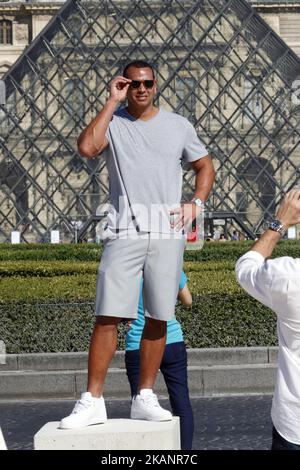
118	88
289	210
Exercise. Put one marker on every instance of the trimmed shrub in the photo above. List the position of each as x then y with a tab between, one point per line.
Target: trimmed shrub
47	297
224	320
46	268
203	278
41	289
92	252
44	251
213	321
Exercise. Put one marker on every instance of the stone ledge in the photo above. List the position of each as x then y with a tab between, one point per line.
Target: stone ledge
115	434
203	381
196	357
36	384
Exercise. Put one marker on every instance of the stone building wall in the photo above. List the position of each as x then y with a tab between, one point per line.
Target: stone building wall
28	19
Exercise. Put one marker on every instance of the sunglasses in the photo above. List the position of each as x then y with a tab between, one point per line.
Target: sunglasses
137	83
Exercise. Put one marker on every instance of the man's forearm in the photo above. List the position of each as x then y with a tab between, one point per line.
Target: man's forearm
267	242
92	138
205	178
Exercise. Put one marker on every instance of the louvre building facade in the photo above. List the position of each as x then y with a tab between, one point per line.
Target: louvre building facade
218	63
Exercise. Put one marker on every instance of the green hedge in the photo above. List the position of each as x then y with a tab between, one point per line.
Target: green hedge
47	296
77	281
213	321
45	251
39	289
46	268
92	252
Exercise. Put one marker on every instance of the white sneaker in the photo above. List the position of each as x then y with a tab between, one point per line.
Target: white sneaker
145	406
88	410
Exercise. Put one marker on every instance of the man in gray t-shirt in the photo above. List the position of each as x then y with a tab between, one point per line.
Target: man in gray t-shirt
144	147
144	165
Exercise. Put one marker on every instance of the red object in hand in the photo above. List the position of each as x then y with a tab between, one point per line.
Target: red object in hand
192	236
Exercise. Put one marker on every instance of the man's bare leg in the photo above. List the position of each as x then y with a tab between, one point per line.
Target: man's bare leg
151	351
102	349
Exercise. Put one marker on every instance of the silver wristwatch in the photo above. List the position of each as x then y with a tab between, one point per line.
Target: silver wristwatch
198	202
277	226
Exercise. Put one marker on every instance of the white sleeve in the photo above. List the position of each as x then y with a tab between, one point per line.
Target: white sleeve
269	281
252	274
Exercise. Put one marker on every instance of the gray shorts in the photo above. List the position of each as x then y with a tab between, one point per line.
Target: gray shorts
124	262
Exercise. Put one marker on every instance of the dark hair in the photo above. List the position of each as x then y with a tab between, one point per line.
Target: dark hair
139	64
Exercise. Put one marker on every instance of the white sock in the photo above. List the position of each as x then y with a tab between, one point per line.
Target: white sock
145	391
90	396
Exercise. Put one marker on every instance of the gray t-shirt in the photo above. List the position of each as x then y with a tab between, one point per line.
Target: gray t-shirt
144	161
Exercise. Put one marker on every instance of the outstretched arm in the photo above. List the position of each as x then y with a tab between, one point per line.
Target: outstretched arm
254	272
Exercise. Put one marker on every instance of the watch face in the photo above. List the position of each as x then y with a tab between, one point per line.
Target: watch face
198	202
277	226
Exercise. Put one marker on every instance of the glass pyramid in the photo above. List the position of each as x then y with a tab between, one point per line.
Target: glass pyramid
218	63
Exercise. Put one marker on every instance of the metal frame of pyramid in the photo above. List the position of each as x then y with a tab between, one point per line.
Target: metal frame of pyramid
218	63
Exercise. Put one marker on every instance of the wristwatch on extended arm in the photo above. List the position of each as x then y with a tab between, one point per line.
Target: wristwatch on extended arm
197	201
277	226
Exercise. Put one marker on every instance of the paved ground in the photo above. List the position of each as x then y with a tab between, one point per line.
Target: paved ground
220	423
